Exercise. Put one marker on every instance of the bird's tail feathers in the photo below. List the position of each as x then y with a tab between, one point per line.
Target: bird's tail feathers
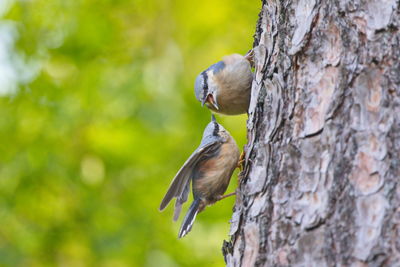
189	218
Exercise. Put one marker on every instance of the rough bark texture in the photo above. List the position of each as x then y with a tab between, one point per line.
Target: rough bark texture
321	181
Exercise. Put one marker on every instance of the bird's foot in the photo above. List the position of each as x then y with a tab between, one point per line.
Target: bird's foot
250	57
225	196
242	159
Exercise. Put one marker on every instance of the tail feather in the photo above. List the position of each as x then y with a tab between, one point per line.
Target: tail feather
189	218
177	211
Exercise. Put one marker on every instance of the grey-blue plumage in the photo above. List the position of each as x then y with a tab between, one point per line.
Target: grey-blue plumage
209	169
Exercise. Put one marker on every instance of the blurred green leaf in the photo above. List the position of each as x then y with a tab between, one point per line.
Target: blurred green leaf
98	114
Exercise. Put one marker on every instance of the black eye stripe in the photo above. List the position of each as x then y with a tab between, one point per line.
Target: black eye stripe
216	129
205	84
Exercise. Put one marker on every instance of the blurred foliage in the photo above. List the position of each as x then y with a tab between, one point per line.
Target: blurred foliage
102	116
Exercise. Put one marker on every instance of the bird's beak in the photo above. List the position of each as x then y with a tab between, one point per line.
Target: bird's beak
203	101
210	99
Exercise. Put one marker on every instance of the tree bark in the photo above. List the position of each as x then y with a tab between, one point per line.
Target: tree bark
321	180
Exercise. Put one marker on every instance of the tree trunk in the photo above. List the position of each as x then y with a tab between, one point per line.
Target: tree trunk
321	180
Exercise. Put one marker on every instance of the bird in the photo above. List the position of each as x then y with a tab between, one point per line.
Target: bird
225	87
208	169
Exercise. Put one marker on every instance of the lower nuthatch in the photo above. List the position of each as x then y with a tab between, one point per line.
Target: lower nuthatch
209	168
225	87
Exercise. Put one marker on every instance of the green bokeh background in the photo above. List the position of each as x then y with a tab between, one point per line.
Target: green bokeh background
100	121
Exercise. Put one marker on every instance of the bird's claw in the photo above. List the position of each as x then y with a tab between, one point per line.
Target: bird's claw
250	57
242	159
225	196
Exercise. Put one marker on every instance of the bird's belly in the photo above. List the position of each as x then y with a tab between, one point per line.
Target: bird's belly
237	102
216	175
232	105
235	97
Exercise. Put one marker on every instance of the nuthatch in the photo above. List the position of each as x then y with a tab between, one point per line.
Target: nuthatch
225	86
209	168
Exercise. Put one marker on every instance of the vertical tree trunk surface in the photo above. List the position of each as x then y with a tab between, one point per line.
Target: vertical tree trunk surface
321	181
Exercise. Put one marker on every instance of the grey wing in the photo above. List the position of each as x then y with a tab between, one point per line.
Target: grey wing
181	199
180	185
217	67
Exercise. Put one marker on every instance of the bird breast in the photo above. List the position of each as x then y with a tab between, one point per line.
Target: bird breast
216	172
234	83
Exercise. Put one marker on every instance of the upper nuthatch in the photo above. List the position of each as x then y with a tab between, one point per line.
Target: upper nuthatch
225	86
210	168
